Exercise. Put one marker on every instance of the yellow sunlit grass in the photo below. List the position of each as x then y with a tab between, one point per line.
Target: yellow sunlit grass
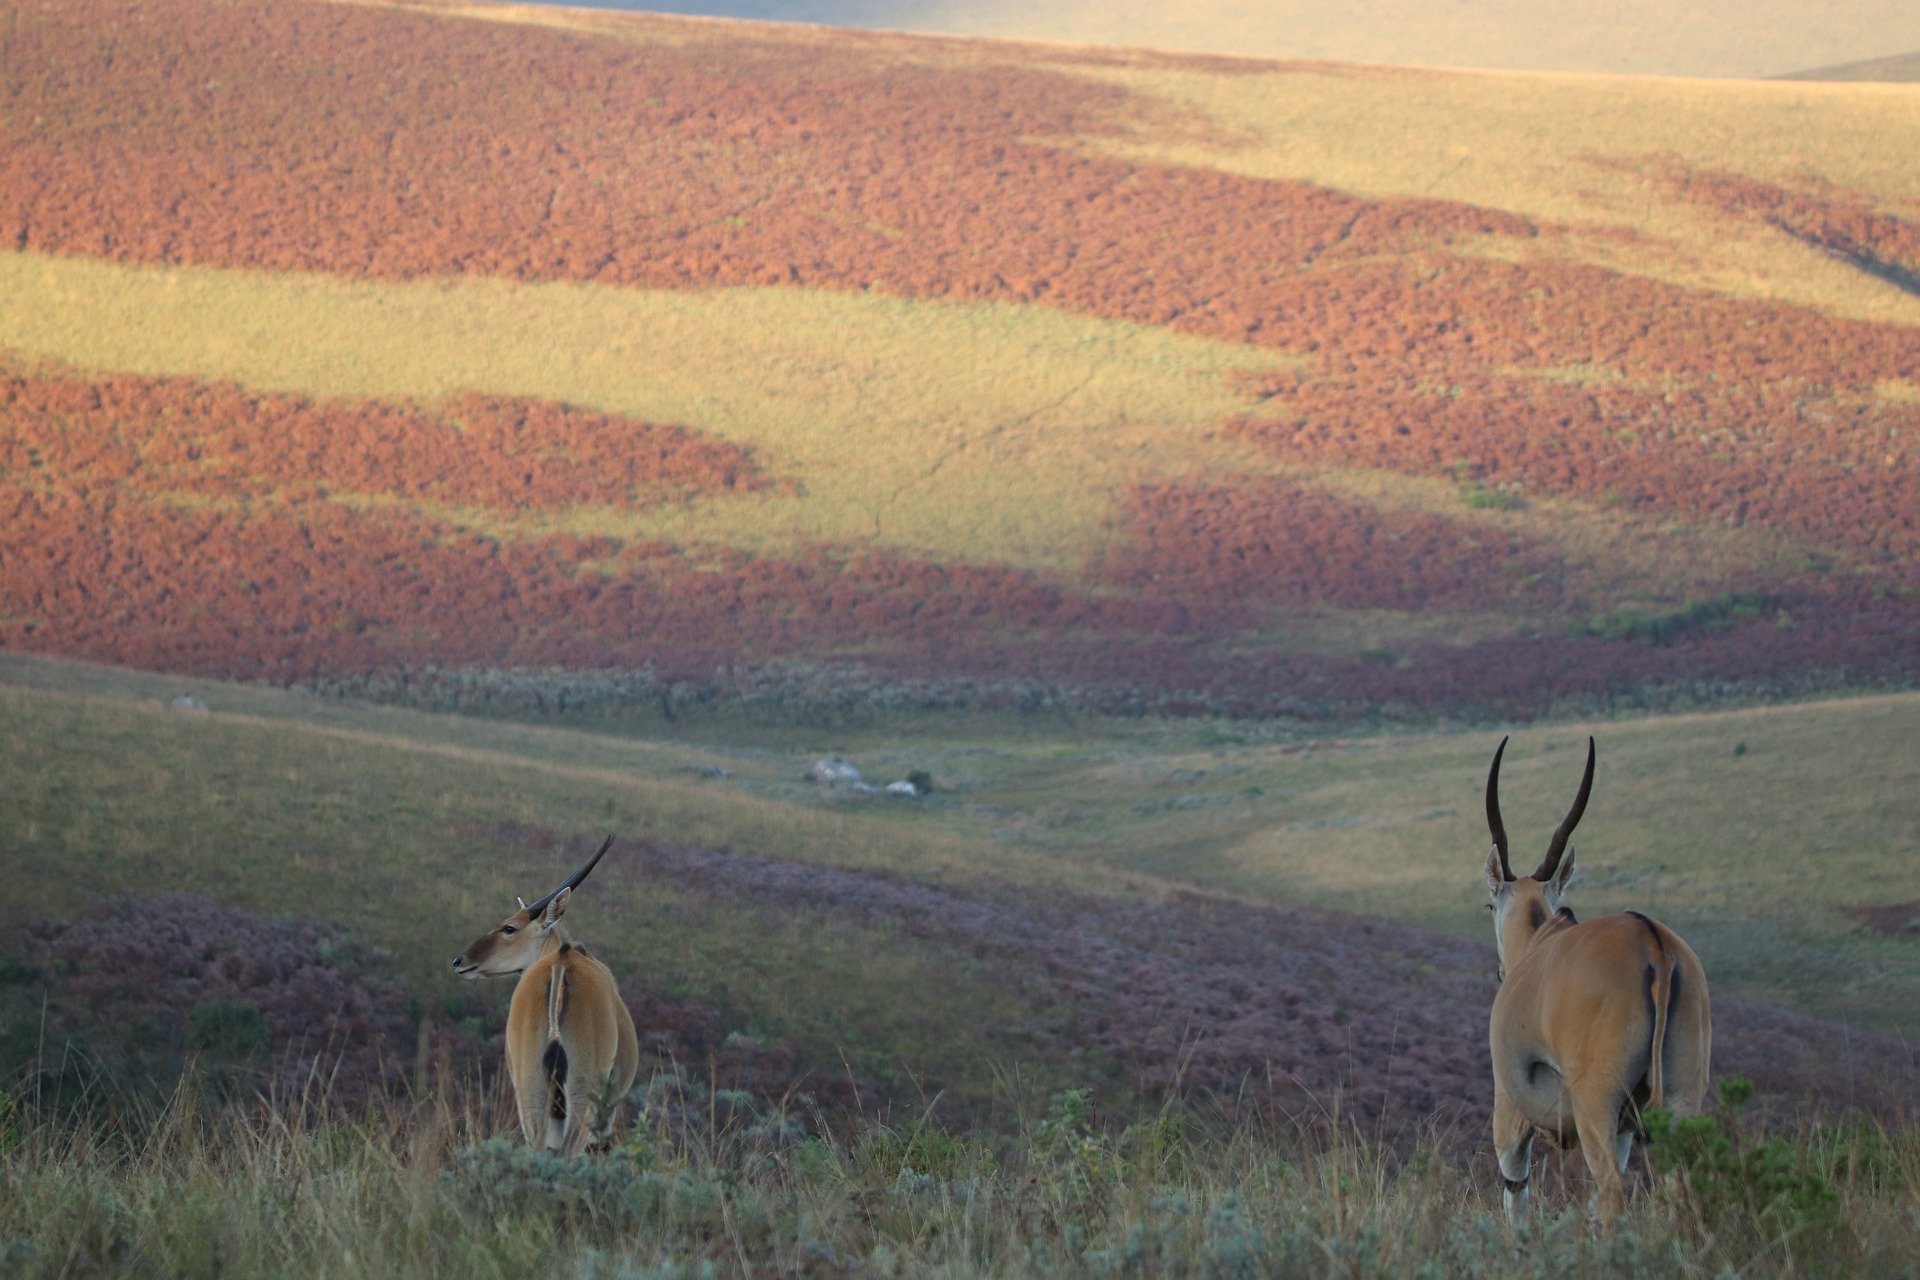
1540	146
1638	37
989	431
979	432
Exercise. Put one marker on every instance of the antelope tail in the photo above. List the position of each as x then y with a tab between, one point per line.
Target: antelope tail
555	1058
556	998
1662	995
1660	984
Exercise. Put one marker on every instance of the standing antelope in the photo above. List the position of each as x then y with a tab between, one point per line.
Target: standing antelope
571	1050
1594	1022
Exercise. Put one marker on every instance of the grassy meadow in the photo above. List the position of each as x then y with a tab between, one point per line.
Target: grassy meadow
1753	831
959	388
701	1190
1023	428
1577	153
375	818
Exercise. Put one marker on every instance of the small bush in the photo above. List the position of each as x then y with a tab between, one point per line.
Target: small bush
1484	499
1070	1160
507	1178
229	1028
1718	614
15	971
1727	1171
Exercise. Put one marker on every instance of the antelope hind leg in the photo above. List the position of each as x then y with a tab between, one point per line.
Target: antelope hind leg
1513	1148
1599	1143
530	1104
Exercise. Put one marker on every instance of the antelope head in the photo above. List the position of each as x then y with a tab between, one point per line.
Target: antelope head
519	940
1521	905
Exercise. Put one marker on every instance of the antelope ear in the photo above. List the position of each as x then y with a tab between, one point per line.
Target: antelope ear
551	916
1562	877
1496	875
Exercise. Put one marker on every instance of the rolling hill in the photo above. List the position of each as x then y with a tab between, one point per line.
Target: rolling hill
623	342
1267	924
1900	68
1637	37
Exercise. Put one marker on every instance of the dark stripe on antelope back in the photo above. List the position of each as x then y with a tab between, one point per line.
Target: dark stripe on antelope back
1653	931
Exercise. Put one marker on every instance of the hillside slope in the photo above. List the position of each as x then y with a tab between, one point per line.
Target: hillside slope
622	342
1637	37
873	943
1901	68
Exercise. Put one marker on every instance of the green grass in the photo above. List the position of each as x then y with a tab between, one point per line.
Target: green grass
724	1186
384	834
276	798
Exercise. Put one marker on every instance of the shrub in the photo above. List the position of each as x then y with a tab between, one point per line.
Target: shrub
505	1178
230	1028
1718	614
1728	1171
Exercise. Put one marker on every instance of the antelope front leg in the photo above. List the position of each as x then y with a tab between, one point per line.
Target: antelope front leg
1513	1148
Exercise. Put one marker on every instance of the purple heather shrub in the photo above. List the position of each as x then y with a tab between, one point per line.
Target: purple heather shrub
286	1002
1297	1012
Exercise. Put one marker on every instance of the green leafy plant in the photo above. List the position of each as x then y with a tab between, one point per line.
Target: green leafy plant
1482	498
1727	1170
1070	1158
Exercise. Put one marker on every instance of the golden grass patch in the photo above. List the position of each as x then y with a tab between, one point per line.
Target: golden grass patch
1638	37
1552	147
1788	811
985	431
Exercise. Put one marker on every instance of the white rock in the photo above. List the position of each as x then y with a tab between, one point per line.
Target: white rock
833	771
902	788
186	702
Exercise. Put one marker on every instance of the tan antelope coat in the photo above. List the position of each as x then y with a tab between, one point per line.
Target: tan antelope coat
1594	1023
571	1049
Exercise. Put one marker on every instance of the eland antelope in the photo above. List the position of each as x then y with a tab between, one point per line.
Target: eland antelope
1594	1022
571	1049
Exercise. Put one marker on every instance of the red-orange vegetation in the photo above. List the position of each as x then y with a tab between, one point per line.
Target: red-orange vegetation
216	439
1839	472
1275	545
317	137
392	145
320	137
307	588
1826	218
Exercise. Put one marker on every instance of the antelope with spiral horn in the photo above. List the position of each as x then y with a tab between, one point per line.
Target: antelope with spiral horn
571	1048
1595	1022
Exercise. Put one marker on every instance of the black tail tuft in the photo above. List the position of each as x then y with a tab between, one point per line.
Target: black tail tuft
555	1061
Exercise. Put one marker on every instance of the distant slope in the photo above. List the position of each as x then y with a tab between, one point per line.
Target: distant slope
1638	37
1901	68
926	962
712	346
